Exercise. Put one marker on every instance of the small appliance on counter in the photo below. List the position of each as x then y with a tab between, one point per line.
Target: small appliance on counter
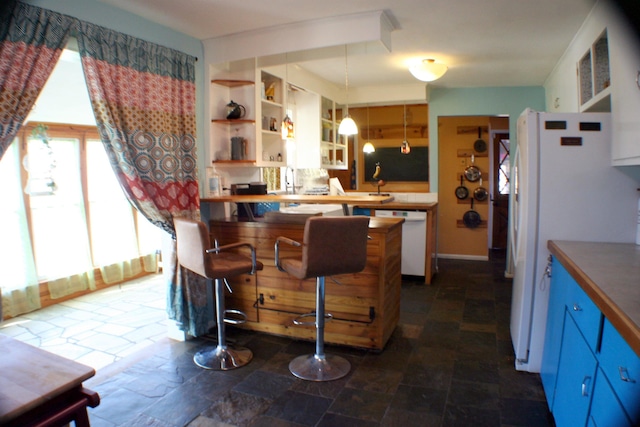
251	188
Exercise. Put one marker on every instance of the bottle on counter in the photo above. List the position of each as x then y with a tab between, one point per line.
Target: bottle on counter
214	184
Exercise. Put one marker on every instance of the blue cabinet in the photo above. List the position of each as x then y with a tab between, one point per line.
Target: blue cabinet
590	375
553	334
576	377
606	411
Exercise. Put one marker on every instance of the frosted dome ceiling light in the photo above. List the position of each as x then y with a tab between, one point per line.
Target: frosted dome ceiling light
428	70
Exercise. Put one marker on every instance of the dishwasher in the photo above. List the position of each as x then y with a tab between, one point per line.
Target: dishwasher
414	239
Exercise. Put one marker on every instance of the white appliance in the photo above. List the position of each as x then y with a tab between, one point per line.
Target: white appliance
414	239
565	189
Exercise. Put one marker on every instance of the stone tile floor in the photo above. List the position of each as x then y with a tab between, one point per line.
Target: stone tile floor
449	363
100	328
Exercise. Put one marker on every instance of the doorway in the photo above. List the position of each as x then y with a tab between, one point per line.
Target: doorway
500	190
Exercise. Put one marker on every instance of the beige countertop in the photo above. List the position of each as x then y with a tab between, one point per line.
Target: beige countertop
302	198
610	274
408	206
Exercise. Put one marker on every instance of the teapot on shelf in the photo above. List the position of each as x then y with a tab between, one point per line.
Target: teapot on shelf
235	111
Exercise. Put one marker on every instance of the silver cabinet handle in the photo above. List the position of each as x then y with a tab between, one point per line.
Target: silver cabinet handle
624	375
638	79
585	391
576	307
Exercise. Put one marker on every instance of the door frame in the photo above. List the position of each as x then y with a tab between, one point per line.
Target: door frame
492	177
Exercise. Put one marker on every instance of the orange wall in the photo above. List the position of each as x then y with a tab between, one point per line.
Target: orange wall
456	134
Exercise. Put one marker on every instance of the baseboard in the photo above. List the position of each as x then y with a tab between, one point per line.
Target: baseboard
465	257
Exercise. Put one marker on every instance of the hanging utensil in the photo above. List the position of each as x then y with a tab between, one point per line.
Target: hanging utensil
480	145
480	193
462	192
472	173
471	218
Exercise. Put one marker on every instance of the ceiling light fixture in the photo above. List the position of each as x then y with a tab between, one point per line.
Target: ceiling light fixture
428	70
368	146
347	125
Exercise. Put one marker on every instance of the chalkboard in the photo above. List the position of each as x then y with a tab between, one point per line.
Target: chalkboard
396	166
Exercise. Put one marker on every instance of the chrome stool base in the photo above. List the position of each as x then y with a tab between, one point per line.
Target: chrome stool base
223	358
312	367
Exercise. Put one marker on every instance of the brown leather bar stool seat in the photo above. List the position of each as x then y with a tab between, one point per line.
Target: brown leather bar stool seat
331	246
217	264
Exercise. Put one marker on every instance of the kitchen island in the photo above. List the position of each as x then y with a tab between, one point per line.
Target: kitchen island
365	306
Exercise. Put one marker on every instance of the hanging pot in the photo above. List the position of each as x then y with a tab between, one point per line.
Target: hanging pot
472	173
480	193
471	218
462	192
480	145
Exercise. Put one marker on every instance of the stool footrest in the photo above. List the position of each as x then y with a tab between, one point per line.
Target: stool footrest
297	321
234	321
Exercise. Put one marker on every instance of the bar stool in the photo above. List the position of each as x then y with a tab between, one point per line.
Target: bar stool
331	245
192	241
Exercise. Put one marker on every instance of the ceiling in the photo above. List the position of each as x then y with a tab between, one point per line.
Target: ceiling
484	42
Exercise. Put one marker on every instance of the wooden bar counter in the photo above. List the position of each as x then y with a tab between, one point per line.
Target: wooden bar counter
365	306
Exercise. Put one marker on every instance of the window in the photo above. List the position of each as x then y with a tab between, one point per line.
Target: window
73	209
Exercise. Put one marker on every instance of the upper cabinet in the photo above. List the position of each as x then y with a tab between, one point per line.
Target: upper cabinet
594	77
333	149
249	133
267	94
625	96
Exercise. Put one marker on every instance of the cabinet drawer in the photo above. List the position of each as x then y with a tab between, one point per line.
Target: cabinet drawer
585	313
621	365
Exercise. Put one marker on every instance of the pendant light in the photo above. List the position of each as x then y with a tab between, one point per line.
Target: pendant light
347	125
368	146
405	147
287	124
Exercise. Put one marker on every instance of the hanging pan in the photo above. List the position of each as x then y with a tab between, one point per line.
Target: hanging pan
480	193
462	192
480	145
471	218
472	173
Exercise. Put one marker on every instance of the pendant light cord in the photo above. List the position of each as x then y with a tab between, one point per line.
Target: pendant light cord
346	77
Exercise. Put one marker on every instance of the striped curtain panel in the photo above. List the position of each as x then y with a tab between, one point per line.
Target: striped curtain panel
31	41
143	97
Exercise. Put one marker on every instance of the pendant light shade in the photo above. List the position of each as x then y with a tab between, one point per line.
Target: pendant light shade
405	147
368	147
428	70
347	125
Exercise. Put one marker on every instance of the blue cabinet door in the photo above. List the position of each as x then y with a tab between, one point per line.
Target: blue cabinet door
560	280
606	409
576	378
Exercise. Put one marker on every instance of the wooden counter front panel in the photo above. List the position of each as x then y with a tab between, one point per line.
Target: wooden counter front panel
365	305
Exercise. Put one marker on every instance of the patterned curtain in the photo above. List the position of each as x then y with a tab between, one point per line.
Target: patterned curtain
31	41
143	97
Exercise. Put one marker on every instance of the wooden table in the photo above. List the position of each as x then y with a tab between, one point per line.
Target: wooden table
345	201
38	388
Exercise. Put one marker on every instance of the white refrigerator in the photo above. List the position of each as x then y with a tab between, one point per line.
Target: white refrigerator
565	189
